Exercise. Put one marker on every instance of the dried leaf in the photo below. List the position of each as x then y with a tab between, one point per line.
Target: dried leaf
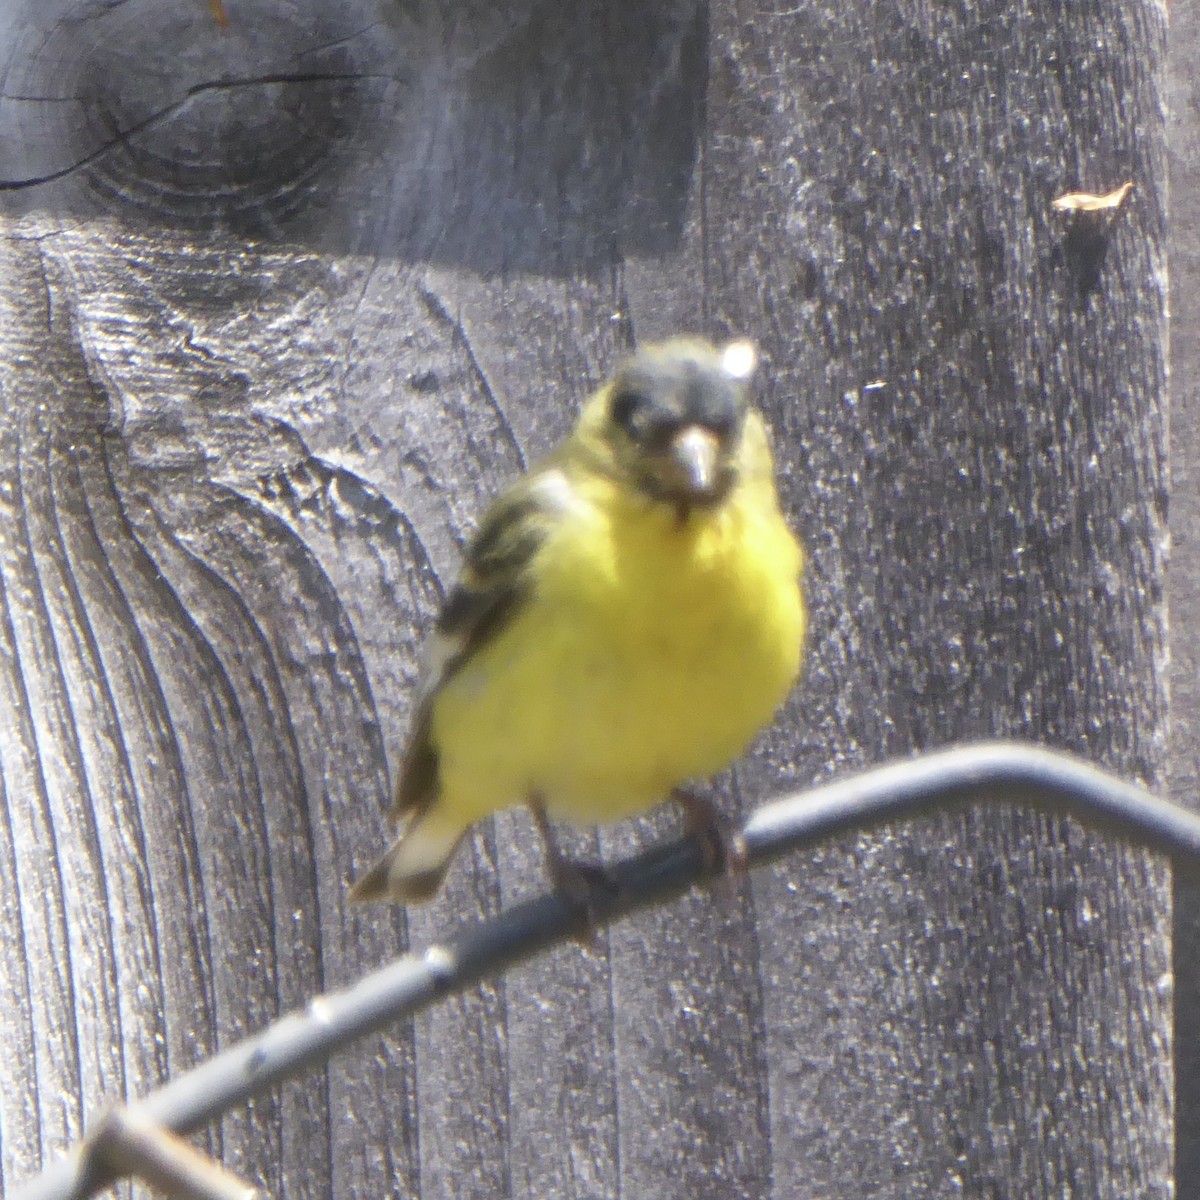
1086	202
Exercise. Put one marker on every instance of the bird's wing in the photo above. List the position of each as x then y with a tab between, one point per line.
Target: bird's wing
491	587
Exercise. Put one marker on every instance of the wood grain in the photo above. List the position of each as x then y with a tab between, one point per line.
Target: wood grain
1183	590
283	303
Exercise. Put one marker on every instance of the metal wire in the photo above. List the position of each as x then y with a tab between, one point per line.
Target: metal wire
1005	772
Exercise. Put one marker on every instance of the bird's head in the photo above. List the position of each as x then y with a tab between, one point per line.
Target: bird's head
673	420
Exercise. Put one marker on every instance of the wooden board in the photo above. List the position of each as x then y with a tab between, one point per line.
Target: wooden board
1183	593
283	303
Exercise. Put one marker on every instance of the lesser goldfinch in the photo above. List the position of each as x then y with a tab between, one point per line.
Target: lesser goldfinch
628	616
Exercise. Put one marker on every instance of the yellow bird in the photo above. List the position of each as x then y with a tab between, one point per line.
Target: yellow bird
628	617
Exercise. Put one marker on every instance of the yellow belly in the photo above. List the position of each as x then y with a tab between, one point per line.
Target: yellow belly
651	652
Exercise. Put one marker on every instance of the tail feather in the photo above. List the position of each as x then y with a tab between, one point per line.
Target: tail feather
414	865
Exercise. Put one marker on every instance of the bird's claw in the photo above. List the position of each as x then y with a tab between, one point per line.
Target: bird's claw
721	842
581	885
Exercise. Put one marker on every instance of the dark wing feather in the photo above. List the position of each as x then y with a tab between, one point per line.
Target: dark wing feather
491	587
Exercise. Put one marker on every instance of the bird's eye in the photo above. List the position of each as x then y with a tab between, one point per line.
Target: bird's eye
625	407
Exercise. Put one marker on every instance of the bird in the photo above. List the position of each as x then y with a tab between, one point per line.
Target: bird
628	616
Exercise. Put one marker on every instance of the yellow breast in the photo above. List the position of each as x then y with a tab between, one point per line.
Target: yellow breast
652	651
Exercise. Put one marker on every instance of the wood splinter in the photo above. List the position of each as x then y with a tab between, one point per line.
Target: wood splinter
124	1144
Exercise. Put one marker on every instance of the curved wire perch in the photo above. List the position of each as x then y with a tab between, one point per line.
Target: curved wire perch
1009	772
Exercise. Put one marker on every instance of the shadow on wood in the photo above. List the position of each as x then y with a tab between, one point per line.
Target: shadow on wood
535	136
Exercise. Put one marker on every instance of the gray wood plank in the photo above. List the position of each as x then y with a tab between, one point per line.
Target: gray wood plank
903	656
295	297
984	568
1183	591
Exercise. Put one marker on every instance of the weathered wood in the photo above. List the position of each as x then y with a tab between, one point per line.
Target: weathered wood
1183	594
294	297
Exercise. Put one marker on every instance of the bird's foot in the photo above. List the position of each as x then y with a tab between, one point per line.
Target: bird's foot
584	886
581	885
721	842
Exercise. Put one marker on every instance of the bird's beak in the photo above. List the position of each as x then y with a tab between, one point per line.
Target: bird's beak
694	455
